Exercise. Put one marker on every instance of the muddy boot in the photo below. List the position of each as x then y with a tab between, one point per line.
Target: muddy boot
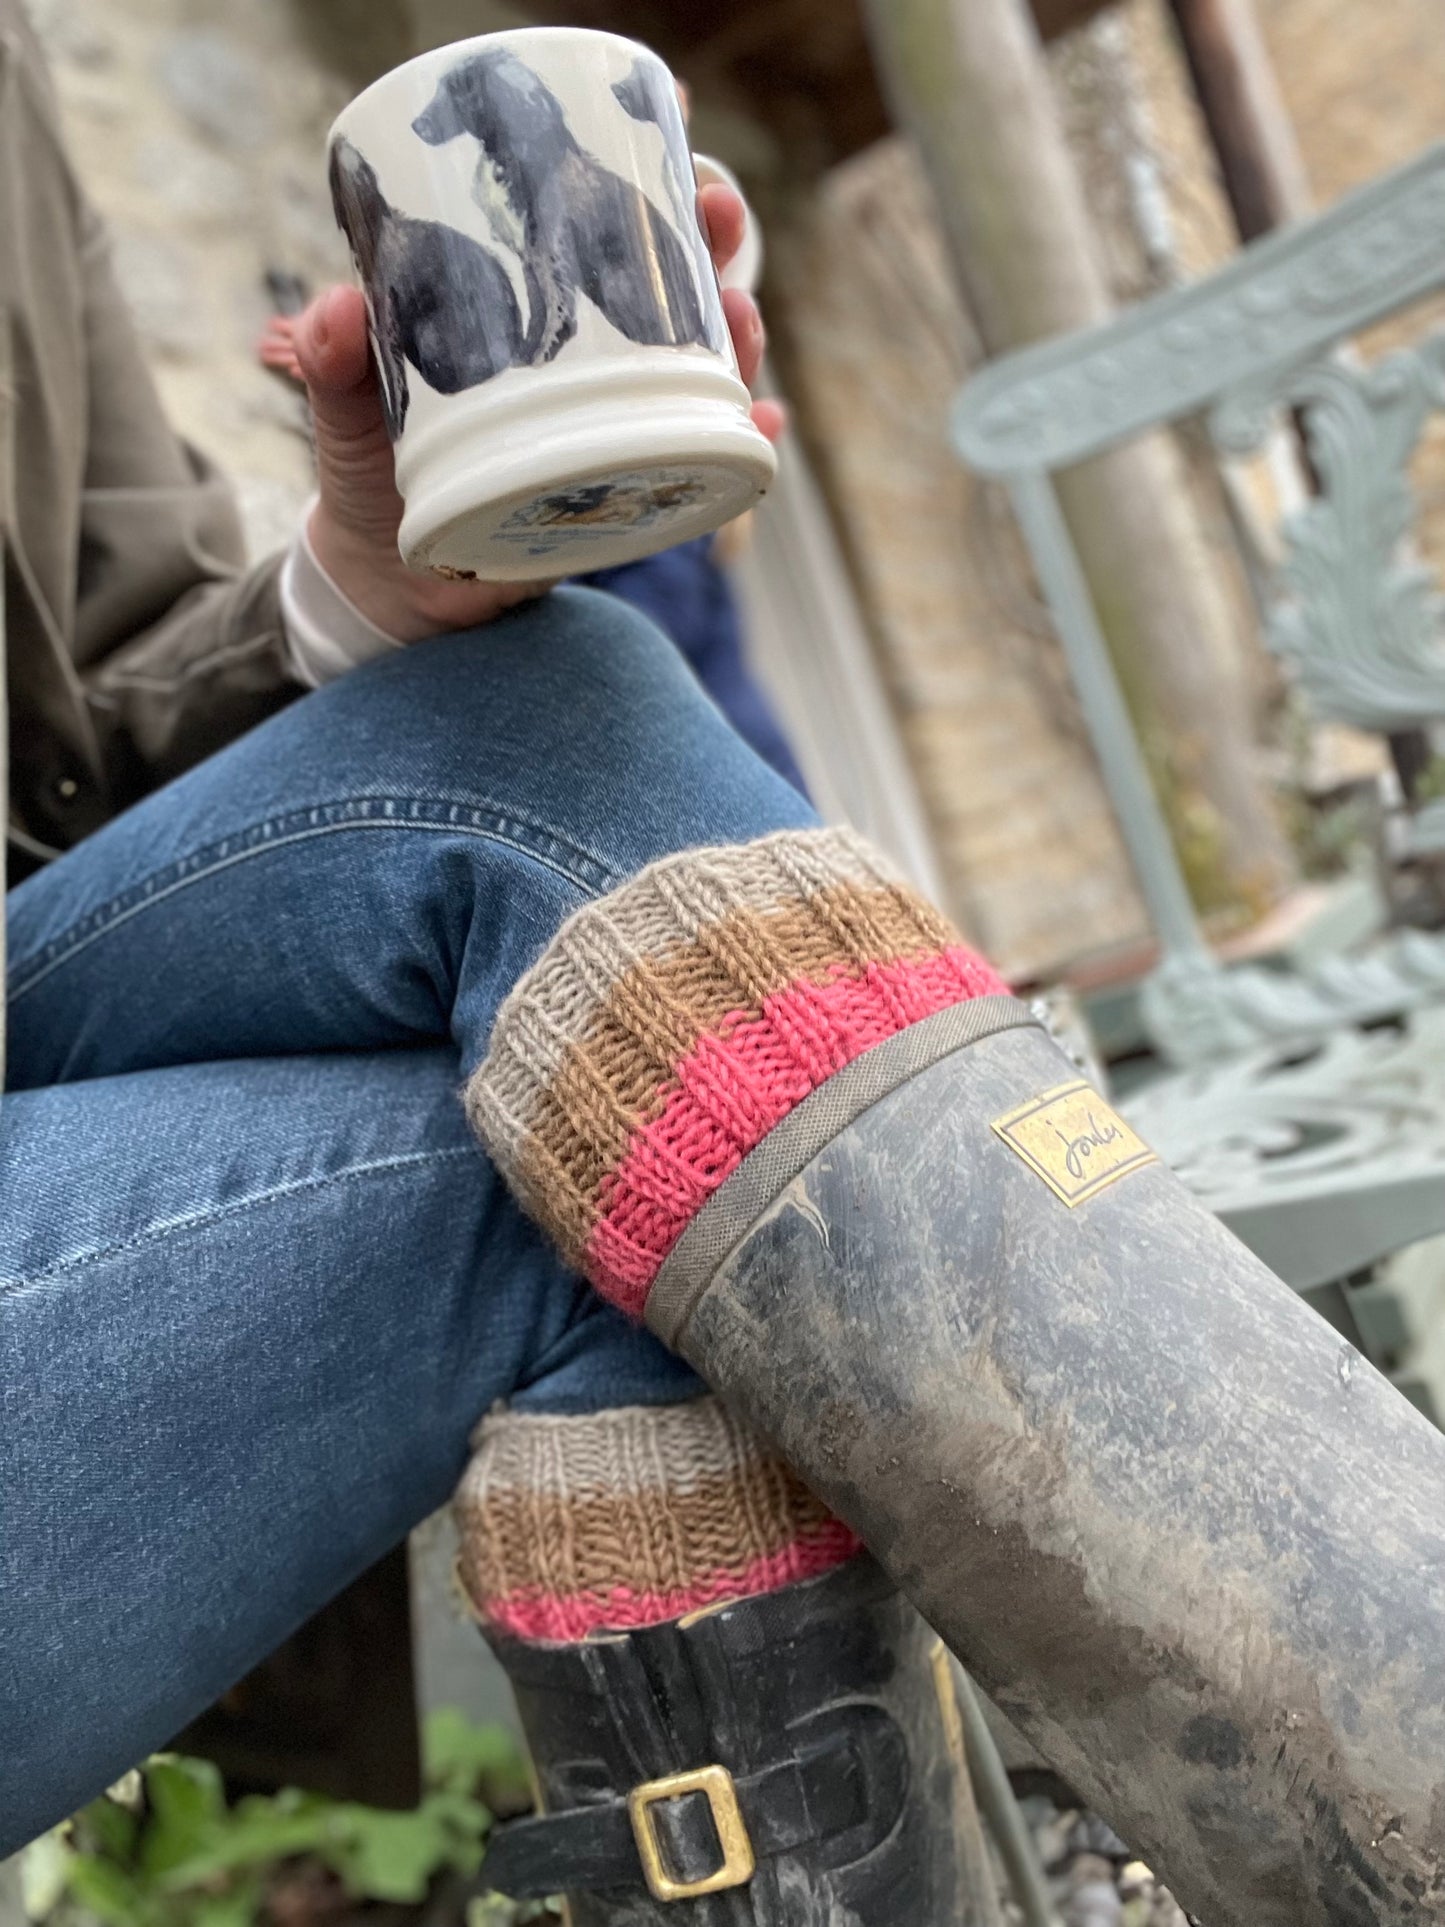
734	1718
1189	1540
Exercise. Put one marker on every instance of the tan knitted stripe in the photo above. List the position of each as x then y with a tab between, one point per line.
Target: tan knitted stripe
605	1089
661	1499
557	1122
654	1540
666	907
670	902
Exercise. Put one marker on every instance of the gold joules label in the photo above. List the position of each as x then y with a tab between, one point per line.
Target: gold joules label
1072	1139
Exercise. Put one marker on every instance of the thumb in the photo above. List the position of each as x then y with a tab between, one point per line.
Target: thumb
354	472
334	359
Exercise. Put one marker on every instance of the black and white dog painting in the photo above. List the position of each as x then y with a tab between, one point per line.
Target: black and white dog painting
581	229
648	94
437	298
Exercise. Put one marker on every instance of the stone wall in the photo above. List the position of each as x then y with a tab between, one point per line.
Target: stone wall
210	174
1365	88
1364	84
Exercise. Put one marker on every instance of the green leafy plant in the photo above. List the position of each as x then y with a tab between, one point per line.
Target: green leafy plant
1430	783
182	1856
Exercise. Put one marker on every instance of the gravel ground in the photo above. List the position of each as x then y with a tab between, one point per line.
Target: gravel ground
1094	1878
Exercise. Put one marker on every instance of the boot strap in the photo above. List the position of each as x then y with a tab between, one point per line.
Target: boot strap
687	1834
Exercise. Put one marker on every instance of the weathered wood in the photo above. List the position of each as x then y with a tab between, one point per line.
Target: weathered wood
1259	158
333	1709
1263	173
968	83
874	342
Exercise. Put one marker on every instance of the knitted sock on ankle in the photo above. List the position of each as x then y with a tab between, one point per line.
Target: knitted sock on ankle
629	1518
671	1025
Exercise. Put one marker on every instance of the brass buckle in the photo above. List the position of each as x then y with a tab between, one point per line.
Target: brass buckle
738	1863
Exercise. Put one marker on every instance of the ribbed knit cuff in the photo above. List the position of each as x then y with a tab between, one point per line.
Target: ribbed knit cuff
630	1518
669	1026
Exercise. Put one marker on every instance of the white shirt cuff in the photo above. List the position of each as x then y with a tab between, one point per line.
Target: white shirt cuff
326	634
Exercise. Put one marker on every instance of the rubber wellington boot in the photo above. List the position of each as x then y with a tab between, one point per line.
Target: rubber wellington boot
788	1756
1188	1539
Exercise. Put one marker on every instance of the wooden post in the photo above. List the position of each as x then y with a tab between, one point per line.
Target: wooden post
1259	157
966	79
1264	178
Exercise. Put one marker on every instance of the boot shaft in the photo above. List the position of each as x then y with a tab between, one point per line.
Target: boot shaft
1190	1542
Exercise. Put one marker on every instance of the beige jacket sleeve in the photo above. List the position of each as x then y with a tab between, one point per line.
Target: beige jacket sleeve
179	646
137	641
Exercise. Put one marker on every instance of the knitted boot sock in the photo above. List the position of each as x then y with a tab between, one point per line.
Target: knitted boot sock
575	1526
671	1026
732	1715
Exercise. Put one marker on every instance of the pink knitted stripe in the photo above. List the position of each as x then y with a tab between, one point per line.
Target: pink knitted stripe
528	1613
741	1080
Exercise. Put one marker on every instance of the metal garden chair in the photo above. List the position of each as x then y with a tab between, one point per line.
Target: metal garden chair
1319	1139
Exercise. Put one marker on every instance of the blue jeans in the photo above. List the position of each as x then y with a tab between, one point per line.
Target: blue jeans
257	1283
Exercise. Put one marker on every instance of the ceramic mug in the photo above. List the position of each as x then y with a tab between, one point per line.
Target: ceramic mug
558	379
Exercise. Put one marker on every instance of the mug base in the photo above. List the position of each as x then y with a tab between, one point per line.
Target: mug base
587	494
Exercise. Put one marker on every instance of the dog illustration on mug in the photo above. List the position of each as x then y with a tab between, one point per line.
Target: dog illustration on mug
583	229
647	93
436	298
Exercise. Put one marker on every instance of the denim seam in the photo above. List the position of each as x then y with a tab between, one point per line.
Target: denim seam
261	838
12	1288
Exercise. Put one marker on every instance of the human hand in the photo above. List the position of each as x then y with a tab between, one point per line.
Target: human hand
354	524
